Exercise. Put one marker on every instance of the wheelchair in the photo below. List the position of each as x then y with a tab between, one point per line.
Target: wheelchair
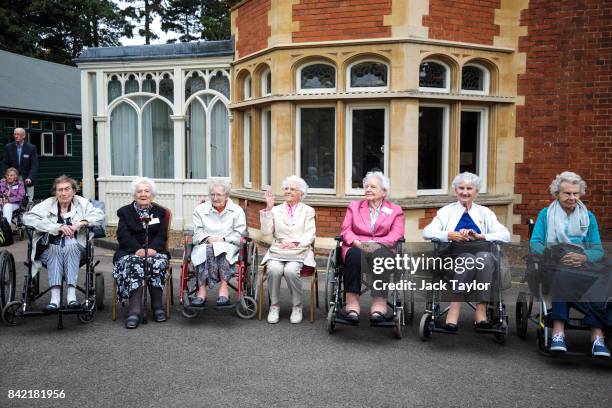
246	274
168	290
496	309
542	317
93	290
401	304
7	278
305	272
17	222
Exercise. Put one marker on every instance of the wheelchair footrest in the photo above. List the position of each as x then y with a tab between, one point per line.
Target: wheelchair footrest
387	323
340	320
436	329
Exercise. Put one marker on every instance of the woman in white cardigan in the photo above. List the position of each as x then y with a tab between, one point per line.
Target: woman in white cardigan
218	226
465	221
292	225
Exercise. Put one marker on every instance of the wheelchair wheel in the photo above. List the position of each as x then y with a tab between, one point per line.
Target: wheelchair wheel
398	329
99	291
168	295
540	340
424	327
330	279
7	278
246	308
331	323
522	316
88	316
253	282
10	313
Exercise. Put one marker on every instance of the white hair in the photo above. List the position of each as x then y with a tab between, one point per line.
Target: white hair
227	186
567	177
466	177
19	130
298	181
384	180
143	180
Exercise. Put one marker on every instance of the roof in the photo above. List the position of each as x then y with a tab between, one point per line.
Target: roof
158	51
33	85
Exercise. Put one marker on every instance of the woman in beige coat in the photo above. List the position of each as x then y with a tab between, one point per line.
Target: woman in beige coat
292	226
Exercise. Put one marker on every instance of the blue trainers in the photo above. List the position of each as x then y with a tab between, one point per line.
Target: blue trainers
558	343
599	348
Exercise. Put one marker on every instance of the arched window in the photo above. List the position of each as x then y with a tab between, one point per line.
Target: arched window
247	90
166	87
131	85
317	77
157	140
124	140
368	74
434	76
148	85
266	82
194	84
207	137
475	79
220	83
114	88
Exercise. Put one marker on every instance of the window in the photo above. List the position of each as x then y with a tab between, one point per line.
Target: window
194	84
220	83
148	85
475	79
23	123
59	144
166	87
47	144
247	150
316	77
316	147
367	135
368	74
247	87
433	149
124	141
68	141
113	88
434	76
10	123
157	140
60	126
47	125
266	82
219	140
35	124
473	142
266	148
131	85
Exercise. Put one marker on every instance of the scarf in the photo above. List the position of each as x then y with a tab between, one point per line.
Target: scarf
578	224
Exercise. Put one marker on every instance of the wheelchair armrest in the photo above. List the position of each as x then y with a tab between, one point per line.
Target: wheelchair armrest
339	238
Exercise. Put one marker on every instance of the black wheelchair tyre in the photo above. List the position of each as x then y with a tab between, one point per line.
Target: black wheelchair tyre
10	313
331	321
7	278
424	329
99	291
330	279
398	329
246	308
522	316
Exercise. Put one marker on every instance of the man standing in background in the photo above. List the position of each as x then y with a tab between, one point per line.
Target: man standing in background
22	156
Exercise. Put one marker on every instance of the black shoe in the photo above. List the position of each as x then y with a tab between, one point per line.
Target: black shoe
377	317
132	322
351	316
74	304
159	315
483	325
197	302
223	302
51	308
451	327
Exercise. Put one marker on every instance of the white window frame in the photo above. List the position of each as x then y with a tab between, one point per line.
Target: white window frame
246	130
298	145
264	145
264	83
66	144
348	171
447	79
483	143
43	145
445	151
247	88
366	88
298	79
486	80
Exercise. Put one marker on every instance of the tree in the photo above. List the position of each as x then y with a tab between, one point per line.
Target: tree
15	34
216	19
146	11
182	16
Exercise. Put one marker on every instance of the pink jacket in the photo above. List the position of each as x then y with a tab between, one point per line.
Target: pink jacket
389	227
14	193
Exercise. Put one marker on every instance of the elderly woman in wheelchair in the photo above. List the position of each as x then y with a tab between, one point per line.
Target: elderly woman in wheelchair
219	225
371	229
292	225
60	223
142	233
465	223
567	222
12	193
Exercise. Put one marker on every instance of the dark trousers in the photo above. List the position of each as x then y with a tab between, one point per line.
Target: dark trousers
560	311
358	262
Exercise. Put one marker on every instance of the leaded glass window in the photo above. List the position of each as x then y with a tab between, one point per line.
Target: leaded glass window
318	76
195	83
166	87
220	83
148	85
131	85
368	75
114	89
433	75
472	78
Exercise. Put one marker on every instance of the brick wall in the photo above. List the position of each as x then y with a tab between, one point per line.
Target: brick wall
252	26
327	20
566	122
471	21
430	213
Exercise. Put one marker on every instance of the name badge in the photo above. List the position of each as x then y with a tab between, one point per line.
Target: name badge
154	221
26	156
15	187
387	210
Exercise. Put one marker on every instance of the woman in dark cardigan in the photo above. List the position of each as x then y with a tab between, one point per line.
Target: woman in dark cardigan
129	257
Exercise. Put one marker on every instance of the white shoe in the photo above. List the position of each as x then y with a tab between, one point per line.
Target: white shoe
296	315
273	314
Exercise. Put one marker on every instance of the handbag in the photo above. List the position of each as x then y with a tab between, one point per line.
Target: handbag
6	233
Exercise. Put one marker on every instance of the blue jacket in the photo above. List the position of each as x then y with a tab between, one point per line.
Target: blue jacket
591	242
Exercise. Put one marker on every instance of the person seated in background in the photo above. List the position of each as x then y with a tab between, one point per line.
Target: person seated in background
12	192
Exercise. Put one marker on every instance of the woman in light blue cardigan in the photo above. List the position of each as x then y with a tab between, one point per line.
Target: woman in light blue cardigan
568	221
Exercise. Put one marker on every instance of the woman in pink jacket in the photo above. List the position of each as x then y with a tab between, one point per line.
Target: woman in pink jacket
371	228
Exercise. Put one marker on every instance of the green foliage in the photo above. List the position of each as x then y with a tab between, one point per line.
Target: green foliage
145	12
